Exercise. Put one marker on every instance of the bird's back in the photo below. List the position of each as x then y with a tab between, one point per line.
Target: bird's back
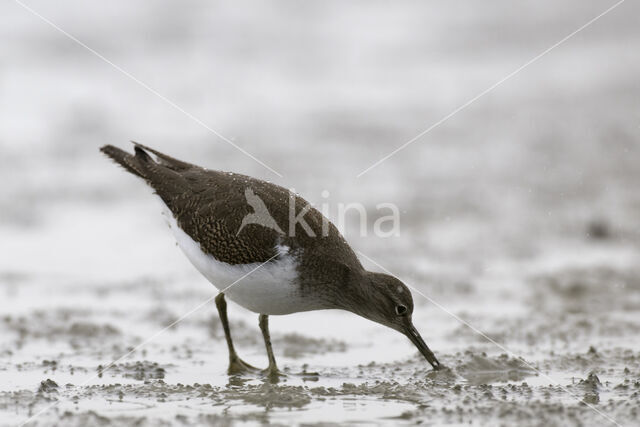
209	206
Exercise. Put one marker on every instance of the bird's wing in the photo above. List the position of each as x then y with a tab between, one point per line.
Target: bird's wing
168	161
210	210
208	205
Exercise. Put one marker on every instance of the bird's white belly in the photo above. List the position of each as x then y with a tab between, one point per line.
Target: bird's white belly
266	289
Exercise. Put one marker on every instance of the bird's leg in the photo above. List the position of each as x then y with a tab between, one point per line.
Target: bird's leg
272	371
236	365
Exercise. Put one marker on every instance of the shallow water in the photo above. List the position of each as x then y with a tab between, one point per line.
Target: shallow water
519	216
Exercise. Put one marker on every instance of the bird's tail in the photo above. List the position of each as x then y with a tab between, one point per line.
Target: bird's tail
163	174
134	163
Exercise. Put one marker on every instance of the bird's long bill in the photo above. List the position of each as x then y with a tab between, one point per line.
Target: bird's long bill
417	340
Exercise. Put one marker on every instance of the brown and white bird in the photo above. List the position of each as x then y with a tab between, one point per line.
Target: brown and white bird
239	232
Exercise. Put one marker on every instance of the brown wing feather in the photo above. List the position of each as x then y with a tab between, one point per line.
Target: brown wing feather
210	205
168	161
210	209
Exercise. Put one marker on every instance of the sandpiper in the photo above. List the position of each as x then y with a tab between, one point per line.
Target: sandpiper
229	225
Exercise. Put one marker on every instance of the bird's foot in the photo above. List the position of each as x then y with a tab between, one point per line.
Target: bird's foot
239	366
273	373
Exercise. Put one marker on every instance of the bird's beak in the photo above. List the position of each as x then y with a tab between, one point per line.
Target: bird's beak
411	332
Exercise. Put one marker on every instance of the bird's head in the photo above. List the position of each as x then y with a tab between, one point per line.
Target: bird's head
386	300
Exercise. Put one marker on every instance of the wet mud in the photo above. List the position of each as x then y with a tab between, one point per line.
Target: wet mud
518	226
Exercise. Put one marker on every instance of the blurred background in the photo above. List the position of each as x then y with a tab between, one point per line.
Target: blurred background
519	214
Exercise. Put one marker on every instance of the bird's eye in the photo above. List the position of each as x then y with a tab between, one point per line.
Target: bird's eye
400	310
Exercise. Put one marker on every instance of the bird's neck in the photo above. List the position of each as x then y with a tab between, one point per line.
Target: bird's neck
354	294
